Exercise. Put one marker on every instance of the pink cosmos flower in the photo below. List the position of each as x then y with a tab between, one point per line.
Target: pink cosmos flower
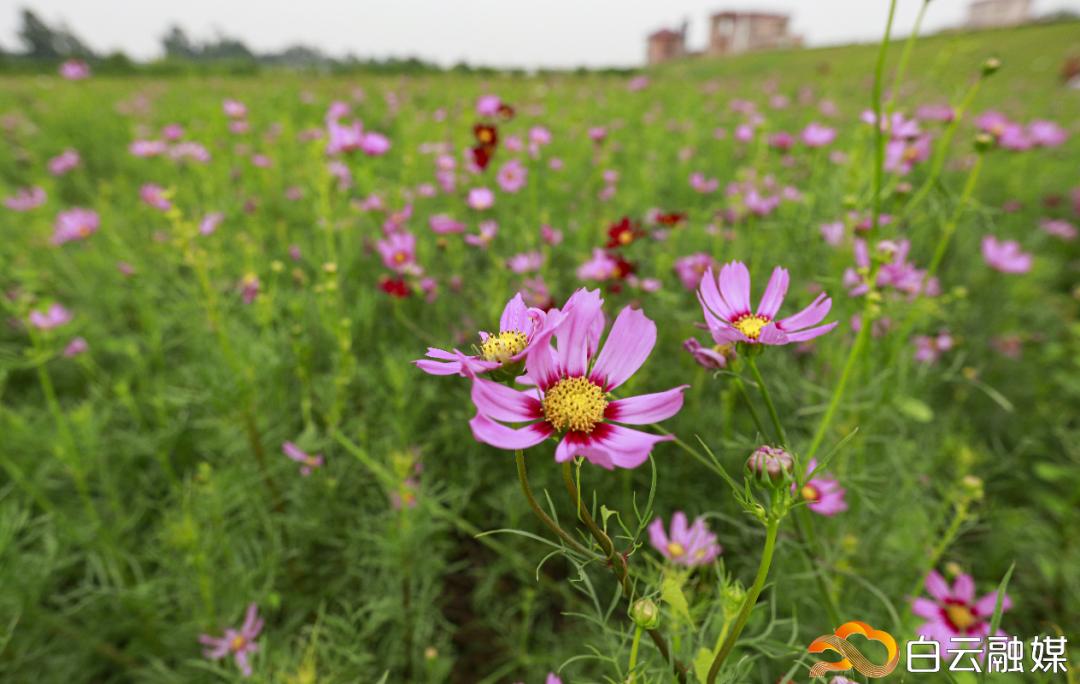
833	232
239	643
525	262
148	148
75	347
53	317
210	222
597	134
518	329
1046	134
572	393
1005	256
781	140
172	131
898	273
262	161
692	267
234	109
307	462
600	267
189	150
538	135
398	251
823	494
74	224
64	162
488	105
954	611
74	70
936	112
154	196
637	84
901	155
441	224
725	302
1059	228
704	185
374	144
512	176
343	138
488	231
26	199
690	546
551	679
481	199
250	288
713	358
817	135
551	235
928	349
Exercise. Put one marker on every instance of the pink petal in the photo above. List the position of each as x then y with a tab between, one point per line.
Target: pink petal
500	402
293	451
963	588
658	536
572	335
925	608
540	362
735	285
489	432
711	299
626	448
679	527
646	408
629	343
514	315
937	587
774	293
811	333
984	607
811	315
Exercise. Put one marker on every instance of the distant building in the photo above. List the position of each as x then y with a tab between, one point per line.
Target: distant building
991	13
735	32
665	45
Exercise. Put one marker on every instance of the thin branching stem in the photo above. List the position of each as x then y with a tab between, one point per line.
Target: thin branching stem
523	477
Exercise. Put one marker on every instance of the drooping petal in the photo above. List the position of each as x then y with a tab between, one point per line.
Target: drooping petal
502	403
646	408
625	448
489	432
629	343
984	607
774	293
811	315
811	333
735	286
937	587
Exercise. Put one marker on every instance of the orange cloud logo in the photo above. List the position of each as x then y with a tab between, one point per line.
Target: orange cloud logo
853	658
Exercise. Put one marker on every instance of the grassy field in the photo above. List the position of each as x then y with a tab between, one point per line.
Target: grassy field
241	298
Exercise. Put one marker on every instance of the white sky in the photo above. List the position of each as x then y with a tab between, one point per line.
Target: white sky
524	33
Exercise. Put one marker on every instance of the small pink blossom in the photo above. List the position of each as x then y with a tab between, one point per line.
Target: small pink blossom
238	643
823	494
234	109
1005	256
441	224
954	611
64	162
817	135
525	262
53	317
928	349
26	199
688	545
512	176
75	347
692	268
74	224
1059	228
308	463
550	235
210	222
481	199
154	196
74	70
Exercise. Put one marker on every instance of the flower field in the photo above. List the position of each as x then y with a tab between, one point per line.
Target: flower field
598	378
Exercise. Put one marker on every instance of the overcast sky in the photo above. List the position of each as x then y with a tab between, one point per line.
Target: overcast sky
524	33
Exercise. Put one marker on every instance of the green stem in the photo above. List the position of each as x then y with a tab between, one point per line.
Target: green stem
771	528
939	549
841	386
805	529
638	629
523	477
777	425
950	227
749	405
617	563
905	57
879	133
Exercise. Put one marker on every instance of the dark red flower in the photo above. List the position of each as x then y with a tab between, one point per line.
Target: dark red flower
623	233
486	135
623	268
481	156
671	219
506	112
395	287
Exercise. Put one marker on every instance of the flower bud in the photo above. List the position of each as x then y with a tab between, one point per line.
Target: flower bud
645	613
984	142
770	463
990	66
973	487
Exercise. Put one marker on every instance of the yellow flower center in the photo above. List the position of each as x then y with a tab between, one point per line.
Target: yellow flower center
575	404
676	549
626	237
400	257
810	493
237	643
503	346
750	325
960	616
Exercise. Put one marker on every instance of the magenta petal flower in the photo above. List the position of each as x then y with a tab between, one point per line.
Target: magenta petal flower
954	611
74	224
518	329
307	462
398	252
53	317
725	302
239	643
1005	256
26	199
689	546
573	385
823	494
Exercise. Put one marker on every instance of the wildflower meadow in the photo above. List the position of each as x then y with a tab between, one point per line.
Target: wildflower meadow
564	377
